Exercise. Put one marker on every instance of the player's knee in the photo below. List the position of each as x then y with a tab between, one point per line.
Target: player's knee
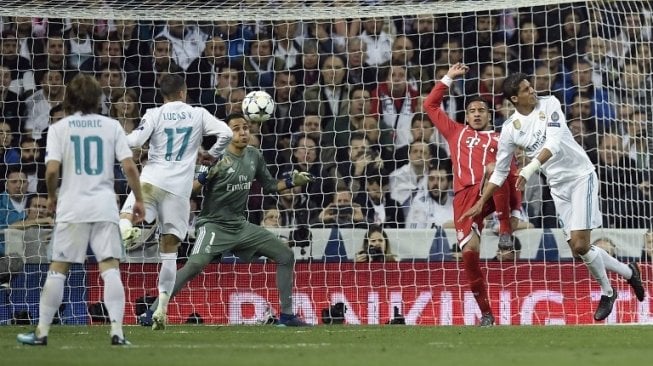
285	257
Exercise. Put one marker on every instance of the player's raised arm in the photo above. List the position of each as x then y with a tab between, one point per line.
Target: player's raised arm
143	132
433	103
214	126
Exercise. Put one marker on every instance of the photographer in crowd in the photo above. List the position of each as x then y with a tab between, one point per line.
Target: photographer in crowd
376	247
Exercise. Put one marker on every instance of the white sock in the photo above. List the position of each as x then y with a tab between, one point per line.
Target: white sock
612	264
167	277
124	224
114	299
51	297
594	262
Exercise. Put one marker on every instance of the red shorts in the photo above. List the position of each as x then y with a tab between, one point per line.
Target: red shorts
463	200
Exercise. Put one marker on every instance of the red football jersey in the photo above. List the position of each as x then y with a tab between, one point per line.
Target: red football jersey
471	150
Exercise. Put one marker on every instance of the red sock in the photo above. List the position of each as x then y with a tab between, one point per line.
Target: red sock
476	280
501	199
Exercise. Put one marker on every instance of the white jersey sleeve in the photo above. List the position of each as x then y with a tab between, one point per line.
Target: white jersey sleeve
143	132
505	152
214	126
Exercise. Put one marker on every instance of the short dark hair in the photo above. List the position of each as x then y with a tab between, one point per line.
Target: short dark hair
82	95
234	116
420	117
171	85
475	98
511	84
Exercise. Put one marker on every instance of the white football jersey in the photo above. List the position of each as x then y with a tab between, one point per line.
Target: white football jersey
87	146
425	212
545	127
175	132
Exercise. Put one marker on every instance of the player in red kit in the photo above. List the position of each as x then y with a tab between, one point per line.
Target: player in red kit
473	149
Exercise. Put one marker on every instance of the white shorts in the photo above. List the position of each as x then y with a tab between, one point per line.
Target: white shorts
70	241
171	211
577	203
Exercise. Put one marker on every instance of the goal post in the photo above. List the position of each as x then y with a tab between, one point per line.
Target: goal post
348	79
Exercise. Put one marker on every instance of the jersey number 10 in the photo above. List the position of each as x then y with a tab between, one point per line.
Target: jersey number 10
84	158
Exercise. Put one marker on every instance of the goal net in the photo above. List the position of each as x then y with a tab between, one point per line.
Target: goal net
348	79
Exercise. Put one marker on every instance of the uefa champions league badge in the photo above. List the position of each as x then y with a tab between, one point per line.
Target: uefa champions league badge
554	120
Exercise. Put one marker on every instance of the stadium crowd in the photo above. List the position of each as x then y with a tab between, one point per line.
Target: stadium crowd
348	96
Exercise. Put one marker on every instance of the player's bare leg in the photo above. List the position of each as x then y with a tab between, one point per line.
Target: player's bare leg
168	248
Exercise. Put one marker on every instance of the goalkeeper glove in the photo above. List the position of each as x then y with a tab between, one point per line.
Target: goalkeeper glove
203	173
297	178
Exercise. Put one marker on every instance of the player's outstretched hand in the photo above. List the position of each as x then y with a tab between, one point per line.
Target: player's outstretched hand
521	183
301	178
138	212
457	69
472	212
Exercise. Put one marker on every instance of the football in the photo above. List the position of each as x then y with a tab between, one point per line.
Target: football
258	106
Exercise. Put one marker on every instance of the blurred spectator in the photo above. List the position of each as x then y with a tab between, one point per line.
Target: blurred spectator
502	54
13	202
109	51
307	71
286	46
380	139
112	81
271	218
188	41
550	56
632	30
158	60
405	181
377	205
338	131
31	163
377	40
635	138
362	160
480	33
328	98
450	53
526	45
342	211
402	54
422	129
311	126
425	35
26	35
509	255
10	153
38	105
235	101
585	136
396	101
11	107
432	206
359	72
20	68
605	70
128	32
636	87
79	41
236	36
260	65
606	244
574	32
647	250
295	208
376	247
54	57
37	214
228	77
618	178
125	109
203	74
582	83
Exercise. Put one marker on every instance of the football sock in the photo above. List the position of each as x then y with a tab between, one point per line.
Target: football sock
194	266
124	225
612	264
51	298
167	276
114	299
476	280
594	262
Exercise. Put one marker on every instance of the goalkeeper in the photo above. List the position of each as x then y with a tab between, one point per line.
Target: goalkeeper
221	226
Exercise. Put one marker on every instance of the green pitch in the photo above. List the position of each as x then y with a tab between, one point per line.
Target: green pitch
395	345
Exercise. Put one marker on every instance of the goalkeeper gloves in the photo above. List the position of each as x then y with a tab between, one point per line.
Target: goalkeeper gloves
297	178
203	174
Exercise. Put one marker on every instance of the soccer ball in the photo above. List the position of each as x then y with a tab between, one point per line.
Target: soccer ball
258	106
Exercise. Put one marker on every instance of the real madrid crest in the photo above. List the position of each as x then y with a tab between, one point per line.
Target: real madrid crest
542	116
517	124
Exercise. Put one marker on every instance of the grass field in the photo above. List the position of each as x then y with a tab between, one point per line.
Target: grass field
337	345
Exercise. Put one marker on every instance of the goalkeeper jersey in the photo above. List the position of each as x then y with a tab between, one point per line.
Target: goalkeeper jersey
228	186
